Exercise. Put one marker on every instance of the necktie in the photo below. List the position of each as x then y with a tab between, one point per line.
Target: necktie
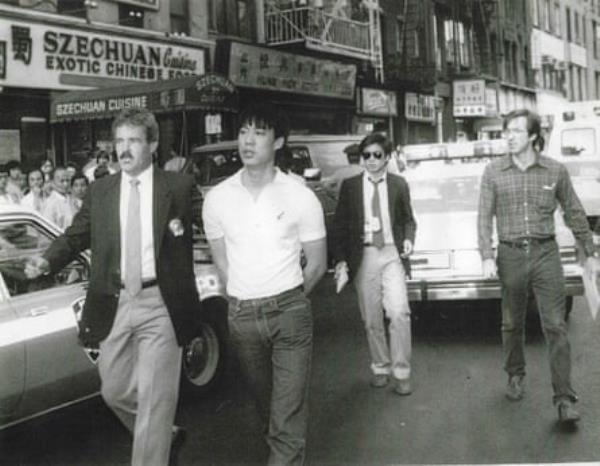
133	248
376	213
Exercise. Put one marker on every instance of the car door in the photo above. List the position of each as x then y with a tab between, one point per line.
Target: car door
58	369
12	355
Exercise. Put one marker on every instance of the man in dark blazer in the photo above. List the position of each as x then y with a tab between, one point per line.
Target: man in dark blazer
142	298
374	232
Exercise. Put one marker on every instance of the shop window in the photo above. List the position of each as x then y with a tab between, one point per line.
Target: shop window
71	7
131	16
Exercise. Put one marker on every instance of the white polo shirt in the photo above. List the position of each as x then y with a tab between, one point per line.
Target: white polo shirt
263	237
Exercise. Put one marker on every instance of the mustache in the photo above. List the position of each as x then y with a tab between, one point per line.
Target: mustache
125	154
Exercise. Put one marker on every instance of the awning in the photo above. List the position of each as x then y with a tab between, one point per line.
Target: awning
209	92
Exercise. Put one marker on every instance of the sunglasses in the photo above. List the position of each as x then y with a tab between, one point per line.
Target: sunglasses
368	155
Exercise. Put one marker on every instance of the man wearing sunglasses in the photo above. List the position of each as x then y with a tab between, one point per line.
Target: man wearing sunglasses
374	231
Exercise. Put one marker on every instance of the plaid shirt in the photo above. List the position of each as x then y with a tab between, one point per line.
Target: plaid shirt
524	202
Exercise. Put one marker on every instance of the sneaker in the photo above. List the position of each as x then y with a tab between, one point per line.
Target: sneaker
402	387
379	380
515	390
566	411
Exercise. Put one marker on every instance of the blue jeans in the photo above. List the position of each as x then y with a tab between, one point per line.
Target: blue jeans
536	268
273	338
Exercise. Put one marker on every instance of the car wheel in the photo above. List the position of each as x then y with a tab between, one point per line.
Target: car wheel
204	357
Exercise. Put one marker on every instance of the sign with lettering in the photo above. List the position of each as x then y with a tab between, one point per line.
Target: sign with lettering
54	57
210	92
262	68
378	102
469	98
419	107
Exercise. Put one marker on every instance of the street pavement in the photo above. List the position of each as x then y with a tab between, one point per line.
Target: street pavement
457	413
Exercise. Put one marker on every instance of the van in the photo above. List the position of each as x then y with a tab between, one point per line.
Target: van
575	141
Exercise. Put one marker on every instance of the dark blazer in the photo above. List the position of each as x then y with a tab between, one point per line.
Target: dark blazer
97	226
348	231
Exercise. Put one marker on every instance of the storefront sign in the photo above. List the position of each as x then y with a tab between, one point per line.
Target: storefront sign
53	57
419	107
378	102
262	68
209	92
469	98
149	4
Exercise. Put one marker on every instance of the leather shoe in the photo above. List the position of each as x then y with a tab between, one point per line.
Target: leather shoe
515	389
566	411
178	437
379	380
402	387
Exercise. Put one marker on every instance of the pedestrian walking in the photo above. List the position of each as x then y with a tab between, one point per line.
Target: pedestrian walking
258	222
522	191
374	232
5	197
142	296
58	207
79	187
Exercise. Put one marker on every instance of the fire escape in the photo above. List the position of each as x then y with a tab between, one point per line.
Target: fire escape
328	30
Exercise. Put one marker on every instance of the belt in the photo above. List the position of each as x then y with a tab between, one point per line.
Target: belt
524	243
145	284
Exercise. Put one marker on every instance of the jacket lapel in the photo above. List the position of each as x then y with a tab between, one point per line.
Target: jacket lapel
359	201
161	204
112	198
392	193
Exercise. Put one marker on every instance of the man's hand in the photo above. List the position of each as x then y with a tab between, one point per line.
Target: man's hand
407	248
341	265
36	266
489	268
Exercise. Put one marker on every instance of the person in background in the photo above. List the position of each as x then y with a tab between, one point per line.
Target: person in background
519	195
72	170
175	162
354	167
14	185
397	161
79	187
258	222
58	207
5	198
100	172
373	235
102	160
36	197
47	169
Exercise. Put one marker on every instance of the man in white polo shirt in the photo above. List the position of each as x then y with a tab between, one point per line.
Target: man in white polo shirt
258	223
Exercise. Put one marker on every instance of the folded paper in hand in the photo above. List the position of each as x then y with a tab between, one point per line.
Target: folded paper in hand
591	286
341	279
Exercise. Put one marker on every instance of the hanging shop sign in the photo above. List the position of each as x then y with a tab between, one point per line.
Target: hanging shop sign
210	92
419	107
377	102
54	57
469	98
262	68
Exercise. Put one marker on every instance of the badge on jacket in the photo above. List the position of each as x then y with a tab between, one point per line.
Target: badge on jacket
176	227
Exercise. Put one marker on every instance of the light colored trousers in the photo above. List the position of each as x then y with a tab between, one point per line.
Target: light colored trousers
381	284
139	367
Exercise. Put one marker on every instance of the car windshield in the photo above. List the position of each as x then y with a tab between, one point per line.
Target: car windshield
440	187
578	141
212	167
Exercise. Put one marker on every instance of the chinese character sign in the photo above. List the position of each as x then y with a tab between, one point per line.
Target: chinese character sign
469	98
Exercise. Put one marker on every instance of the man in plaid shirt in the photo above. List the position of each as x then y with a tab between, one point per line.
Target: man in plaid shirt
522	190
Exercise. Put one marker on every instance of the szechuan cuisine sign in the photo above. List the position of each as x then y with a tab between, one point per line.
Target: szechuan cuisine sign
59	58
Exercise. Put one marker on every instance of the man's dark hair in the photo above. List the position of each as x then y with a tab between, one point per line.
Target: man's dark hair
534	125
79	176
3	169
12	164
137	117
100	171
265	116
376	138
102	154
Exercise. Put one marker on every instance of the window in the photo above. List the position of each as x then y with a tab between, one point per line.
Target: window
579	141
221	18
595	38
597	84
577	28
568	21
131	16
547	19
71	7
399	32
179	16
243	19
583	31
557	22
458	43
21	240
535	13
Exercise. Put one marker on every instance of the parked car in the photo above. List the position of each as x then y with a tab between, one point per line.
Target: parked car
42	363
444	187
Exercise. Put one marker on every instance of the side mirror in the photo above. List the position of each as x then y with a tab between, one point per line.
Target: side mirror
312	174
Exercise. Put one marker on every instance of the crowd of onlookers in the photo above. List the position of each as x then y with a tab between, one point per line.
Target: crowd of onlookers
56	192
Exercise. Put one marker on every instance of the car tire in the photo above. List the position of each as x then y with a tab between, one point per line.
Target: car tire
204	358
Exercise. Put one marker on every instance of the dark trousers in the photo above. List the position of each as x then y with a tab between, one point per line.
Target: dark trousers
536	268
273	338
